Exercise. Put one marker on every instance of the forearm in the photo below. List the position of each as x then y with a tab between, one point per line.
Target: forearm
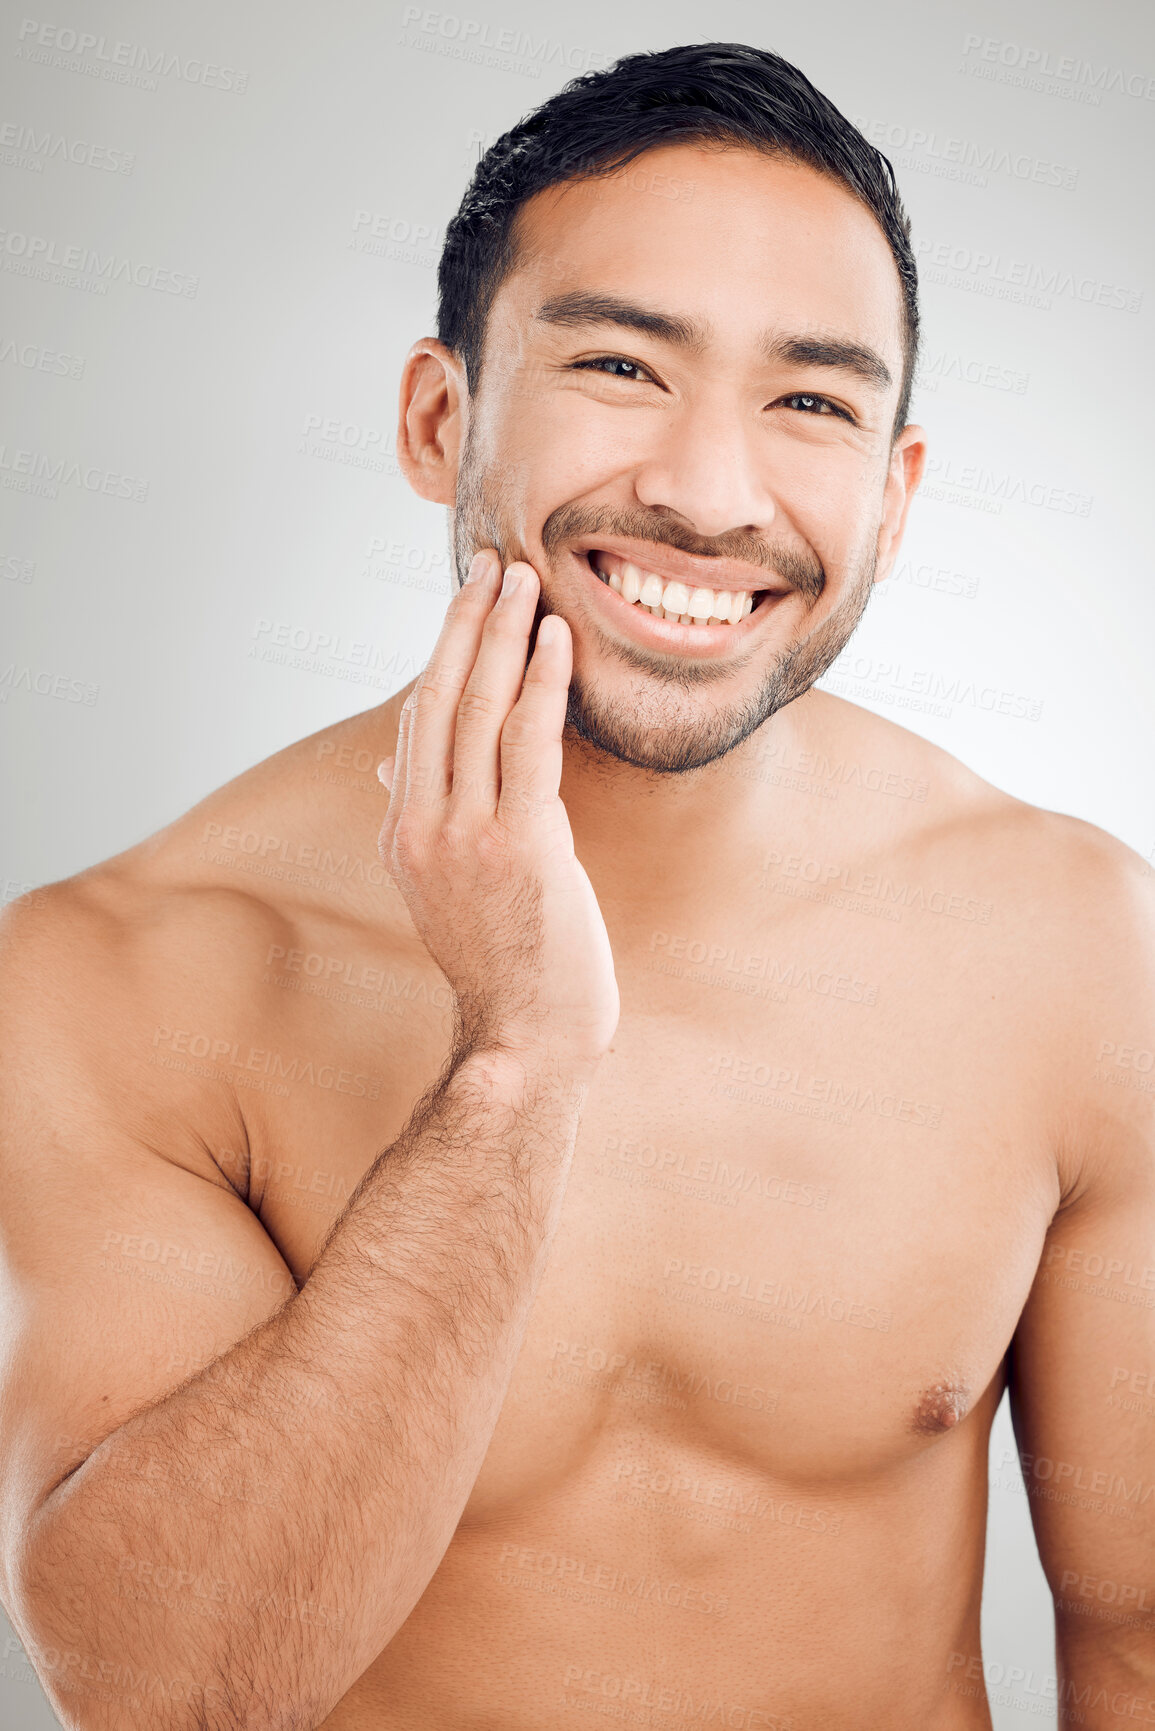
324	1529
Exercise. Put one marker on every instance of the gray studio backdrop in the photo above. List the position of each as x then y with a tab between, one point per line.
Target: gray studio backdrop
219	234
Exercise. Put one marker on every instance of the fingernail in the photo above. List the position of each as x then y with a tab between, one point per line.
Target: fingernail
385	771
511	583
478	566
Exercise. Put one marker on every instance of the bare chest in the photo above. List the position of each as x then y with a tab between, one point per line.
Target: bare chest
799	1228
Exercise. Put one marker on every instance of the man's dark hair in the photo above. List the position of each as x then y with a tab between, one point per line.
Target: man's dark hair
711	91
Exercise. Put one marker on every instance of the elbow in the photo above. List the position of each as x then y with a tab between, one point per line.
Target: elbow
98	1670
108	1659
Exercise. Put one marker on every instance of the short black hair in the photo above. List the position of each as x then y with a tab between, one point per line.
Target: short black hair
727	92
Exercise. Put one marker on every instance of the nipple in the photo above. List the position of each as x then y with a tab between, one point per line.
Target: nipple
940	1408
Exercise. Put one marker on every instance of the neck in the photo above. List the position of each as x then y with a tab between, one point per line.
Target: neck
643	830
648	838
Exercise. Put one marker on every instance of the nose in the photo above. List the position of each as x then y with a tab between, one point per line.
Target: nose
705	467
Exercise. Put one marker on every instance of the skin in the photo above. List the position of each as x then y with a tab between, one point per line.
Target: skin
655	1359
698	443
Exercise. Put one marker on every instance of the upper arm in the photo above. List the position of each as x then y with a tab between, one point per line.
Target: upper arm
127	1262
1083	1366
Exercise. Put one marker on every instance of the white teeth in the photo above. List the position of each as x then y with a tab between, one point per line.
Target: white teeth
676	600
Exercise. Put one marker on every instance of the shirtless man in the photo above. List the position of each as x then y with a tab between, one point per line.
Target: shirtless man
475	1293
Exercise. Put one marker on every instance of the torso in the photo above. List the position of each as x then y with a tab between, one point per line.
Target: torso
740	1473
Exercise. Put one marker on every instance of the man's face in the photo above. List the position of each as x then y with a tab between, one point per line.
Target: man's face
691	378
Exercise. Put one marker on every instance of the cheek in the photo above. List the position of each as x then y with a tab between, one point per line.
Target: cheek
564	446
834	501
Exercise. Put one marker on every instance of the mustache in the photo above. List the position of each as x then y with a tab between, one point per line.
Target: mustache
803	570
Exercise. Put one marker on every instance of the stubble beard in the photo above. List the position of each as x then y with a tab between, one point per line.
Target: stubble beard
666	721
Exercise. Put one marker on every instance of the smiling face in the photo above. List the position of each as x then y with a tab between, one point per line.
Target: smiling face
684	423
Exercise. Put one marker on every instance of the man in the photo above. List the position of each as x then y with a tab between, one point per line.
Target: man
509	1288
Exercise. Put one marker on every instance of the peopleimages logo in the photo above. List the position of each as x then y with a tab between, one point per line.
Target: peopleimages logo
944	476
927	151
36	472
395	237
1020	63
50	260
35	358
933	369
995	275
72	50
23	146
482	43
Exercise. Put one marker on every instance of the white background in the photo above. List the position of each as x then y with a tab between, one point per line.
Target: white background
254	166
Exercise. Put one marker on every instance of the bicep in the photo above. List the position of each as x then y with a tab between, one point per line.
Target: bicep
121	1275
1085	1341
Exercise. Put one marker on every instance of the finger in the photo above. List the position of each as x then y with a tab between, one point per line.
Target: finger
438	690
531	740
387	768
490	693
397	781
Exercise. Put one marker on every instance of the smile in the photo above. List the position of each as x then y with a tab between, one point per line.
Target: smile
667	598
707	609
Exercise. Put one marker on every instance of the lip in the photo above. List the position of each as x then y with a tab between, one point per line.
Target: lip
672	565
628	619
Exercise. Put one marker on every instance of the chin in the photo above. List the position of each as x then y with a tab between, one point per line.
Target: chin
664	730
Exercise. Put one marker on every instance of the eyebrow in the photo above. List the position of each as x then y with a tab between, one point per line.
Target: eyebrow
580	307
846	357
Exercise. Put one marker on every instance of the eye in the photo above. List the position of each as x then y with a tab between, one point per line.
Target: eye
616	367
808	404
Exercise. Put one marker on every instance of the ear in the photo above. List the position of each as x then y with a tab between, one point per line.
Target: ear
907	461
432	420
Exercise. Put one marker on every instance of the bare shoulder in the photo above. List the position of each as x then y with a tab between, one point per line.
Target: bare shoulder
1048	869
129	998
1068	909
1036	859
96	974
105	975
291	839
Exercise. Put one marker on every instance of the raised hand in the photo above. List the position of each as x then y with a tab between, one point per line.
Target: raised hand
478	840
